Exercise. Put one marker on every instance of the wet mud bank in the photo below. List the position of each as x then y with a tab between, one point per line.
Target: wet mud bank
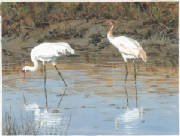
90	39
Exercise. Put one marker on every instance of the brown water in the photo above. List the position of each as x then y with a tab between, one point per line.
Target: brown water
95	101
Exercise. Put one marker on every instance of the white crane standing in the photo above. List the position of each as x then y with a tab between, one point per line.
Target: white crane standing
129	48
48	52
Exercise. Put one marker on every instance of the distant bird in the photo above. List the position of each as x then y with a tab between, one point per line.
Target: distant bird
48	52
129	48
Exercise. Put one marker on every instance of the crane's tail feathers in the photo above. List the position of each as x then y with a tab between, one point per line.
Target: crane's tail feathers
142	54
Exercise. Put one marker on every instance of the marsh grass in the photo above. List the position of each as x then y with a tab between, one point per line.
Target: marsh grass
13	127
27	126
15	15
157	38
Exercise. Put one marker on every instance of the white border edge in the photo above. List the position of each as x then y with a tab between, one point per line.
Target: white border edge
89	0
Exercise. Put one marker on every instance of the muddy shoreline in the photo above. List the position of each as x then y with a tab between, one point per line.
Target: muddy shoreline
89	39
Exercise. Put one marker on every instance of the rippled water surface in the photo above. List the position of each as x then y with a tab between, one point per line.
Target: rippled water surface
95	101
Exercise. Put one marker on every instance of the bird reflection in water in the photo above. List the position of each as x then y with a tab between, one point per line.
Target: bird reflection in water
135	83
48	118
43	117
129	120
131	116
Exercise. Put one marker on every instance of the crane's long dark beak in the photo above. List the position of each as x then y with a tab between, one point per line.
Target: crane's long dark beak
24	74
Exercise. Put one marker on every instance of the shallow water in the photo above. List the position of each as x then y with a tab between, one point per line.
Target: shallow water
95	101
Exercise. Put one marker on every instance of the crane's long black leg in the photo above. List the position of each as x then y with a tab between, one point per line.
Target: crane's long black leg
125	80
60	75
61	98
135	81
126	72
24	98
45	84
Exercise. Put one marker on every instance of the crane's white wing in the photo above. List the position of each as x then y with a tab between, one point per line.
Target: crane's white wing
126	45
48	51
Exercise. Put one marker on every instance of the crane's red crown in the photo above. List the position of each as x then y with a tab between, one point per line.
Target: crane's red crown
109	23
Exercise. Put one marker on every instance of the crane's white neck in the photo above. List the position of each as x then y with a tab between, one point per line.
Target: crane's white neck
109	34
34	68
